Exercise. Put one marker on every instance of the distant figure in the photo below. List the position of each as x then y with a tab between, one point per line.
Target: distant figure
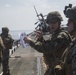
7	42
53	48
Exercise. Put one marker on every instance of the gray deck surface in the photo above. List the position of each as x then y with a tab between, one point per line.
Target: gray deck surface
25	61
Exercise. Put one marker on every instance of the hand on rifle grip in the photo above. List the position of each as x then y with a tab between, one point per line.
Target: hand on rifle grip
39	35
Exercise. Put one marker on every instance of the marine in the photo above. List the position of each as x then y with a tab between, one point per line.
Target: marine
7	41
70	13
53	48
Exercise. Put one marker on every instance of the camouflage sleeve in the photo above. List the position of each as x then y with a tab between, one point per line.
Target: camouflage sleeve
10	37
62	41
38	46
74	60
2	46
48	46
57	44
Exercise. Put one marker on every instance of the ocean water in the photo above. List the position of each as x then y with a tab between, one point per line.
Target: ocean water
16	33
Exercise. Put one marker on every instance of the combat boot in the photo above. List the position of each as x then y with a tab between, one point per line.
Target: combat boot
8	73
4	74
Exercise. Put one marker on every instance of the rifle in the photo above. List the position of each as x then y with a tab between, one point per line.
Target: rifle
42	26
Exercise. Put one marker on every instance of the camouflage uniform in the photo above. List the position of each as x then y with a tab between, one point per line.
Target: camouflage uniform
73	59
1	48
53	49
8	42
70	13
70	62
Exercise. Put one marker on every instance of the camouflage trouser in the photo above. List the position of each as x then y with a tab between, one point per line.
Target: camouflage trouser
49	71
5	61
0	56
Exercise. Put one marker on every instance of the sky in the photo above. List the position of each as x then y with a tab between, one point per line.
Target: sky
21	15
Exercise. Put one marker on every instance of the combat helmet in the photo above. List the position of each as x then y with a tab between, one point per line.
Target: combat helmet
5	29
70	12
53	17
